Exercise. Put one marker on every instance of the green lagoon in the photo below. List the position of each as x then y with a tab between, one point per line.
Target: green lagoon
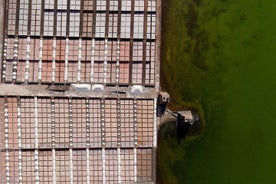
219	56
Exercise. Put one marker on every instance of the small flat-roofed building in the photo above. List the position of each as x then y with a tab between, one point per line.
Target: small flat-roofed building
78	92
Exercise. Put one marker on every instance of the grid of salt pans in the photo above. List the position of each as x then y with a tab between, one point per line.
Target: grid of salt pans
84	41
80	164
83	140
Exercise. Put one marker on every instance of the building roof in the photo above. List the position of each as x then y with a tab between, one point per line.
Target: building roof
78	92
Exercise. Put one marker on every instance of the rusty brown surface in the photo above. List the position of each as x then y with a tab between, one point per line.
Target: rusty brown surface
137	64
145	115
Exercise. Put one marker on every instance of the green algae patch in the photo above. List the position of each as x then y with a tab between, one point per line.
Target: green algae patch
218	58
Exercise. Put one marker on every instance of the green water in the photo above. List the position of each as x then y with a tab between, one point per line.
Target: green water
227	53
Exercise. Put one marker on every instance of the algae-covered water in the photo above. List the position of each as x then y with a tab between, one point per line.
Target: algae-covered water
220	56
